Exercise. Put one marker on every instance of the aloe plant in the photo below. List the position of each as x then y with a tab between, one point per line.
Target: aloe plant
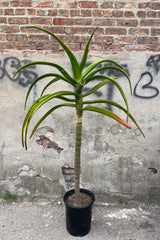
82	75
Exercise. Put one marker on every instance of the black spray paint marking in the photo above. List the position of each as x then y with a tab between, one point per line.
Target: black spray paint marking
145	83
10	65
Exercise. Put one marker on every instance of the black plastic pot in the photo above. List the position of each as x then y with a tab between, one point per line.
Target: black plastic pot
78	219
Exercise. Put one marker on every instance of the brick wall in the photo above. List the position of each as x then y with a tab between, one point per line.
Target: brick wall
122	25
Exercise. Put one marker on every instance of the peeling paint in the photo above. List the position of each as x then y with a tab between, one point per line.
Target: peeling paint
47	143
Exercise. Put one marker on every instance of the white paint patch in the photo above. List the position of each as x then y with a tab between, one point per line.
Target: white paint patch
129	213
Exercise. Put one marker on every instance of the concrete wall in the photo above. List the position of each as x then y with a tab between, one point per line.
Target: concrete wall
115	160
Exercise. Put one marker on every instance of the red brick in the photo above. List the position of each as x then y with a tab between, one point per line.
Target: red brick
136	47
82	21
56	29
74	46
31	11
21	3
118	13
75	30
2	37
147	40
152	14
29	30
41	12
151	5
4	3
18	20
17	37
3	20
65	38
107	13
82	30
116	31
74	12
8	11
126	40
127	23
47	46
10	29
43	4
128	5
25	45
63	13
106	5
138	31
103	40
104	22
155	31
141	14
143	47
6	45
38	38
97	13
129	14
94	47
52	12
114	48
66	4
150	22
41	20
88	4
85	13
63	21
20	11
80	39
89	30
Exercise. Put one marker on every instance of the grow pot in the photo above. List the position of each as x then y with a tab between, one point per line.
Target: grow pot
78	219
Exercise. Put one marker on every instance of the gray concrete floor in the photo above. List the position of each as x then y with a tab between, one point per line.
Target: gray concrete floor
45	220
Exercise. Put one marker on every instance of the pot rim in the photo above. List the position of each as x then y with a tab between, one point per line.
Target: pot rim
86	191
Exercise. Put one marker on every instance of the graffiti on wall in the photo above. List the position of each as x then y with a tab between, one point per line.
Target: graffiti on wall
145	86
9	66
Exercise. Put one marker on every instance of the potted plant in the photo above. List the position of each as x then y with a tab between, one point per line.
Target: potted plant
78	201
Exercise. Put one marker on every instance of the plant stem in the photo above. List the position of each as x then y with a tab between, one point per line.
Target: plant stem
77	160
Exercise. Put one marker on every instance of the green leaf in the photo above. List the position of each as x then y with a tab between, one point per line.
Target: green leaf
35	106
117	106
96	63
108	114
105	82
35	81
48	113
110	67
92	90
62	70
73	60
66	99
85	54
50	83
